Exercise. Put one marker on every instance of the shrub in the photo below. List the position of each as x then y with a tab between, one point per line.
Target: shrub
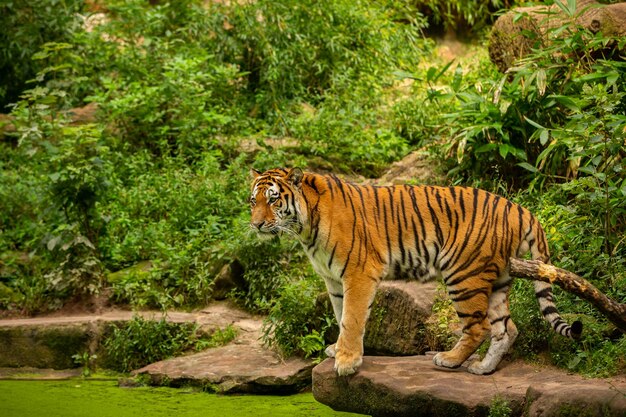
140	342
65	168
304	49
293	325
461	16
499	407
186	219
25	28
164	91
350	136
540	116
576	241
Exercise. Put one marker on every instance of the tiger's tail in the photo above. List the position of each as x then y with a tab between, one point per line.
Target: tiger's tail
538	245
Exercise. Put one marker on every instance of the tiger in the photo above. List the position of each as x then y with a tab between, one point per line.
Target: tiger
356	235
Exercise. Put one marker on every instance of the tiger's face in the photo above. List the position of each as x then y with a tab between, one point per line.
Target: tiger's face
274	202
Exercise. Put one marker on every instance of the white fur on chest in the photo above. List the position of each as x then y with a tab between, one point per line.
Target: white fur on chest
320	260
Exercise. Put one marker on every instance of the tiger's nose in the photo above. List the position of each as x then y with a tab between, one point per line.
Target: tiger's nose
257	224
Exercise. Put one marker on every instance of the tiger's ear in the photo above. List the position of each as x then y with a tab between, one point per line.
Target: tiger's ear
294	176
254	174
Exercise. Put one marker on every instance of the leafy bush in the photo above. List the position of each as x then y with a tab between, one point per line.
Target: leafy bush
350	136
164	91
293	325
462	16
56	219
304	49
140	342
499	407
25	28
185	219
540	116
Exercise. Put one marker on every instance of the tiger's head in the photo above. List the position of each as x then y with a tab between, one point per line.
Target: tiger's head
275	202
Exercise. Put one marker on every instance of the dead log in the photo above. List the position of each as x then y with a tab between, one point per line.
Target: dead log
518	31
572	283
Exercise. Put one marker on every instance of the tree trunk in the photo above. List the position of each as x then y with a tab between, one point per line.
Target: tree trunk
538	271
513	37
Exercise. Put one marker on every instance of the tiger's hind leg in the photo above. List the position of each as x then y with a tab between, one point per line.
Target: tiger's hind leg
471	301
503	330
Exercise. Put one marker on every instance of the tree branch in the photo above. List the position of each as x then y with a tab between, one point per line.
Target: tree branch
570	282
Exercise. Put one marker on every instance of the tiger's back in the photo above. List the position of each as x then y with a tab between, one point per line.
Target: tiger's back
357	235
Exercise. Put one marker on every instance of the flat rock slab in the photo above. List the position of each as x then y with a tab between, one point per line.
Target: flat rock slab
236	368
217	315
413	386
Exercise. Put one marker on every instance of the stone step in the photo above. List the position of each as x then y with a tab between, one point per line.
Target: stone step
244	365
50	341
414	386
235	368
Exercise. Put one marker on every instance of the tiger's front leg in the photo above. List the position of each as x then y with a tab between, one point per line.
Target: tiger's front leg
334	286
358	294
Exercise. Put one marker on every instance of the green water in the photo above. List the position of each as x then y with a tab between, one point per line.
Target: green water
85	398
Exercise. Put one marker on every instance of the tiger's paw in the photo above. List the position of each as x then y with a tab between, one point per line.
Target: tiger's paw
445	360
347	363
479	368
330	351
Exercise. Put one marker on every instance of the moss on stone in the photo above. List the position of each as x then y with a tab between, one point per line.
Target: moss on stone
43	346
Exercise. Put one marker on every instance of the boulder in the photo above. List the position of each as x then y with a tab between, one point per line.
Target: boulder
413	386
228	279
416	166
396	325
139	270
244	365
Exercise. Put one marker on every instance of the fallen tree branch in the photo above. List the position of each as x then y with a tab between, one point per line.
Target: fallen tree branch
572	283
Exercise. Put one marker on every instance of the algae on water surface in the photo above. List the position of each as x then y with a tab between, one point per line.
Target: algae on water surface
79	398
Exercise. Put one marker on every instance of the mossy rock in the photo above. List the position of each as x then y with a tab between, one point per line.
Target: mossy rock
140	271
43	346
7	294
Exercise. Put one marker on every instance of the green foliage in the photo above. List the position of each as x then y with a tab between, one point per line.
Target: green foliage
460	15
57	176
293	325
185	219
560	109
303	49
499	407
140	342
440	325
87	362
577	242
25	28
164	91
349	135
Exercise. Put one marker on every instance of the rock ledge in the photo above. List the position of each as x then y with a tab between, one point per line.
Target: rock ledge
413	386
